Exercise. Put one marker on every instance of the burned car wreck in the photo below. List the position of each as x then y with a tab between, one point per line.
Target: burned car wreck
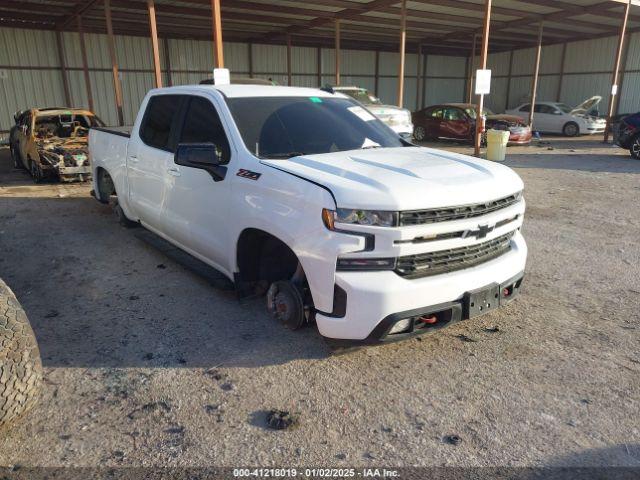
53	143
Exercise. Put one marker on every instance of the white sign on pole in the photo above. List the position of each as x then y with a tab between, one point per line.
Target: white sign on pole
614	89
483	82
221	76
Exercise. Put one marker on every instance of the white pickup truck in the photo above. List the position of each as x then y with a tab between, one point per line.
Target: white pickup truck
305	196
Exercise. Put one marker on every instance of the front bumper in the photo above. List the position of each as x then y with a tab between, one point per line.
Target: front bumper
373	298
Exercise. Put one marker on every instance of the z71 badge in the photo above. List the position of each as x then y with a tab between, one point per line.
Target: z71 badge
248	174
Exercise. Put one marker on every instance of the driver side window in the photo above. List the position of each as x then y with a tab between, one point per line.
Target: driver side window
202	125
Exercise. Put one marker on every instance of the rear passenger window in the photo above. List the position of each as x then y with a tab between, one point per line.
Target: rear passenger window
202	125
156	125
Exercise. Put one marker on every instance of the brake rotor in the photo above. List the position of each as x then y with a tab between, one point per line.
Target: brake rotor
285	304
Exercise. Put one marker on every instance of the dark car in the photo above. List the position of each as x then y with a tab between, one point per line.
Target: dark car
457	121
627	134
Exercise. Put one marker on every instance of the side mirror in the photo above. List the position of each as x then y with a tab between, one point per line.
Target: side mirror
203	156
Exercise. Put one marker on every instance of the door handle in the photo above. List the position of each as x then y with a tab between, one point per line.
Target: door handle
173	171
133	159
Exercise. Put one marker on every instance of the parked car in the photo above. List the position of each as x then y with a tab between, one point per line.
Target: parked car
397	118
52	142
627	134
306	196
554	117
457	121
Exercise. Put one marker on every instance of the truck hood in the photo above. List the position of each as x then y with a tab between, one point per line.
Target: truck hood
405	178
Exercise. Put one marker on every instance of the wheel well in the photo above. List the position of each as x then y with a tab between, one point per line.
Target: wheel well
263	258
105	185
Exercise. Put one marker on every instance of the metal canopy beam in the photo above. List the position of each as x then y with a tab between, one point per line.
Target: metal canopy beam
483	65
217	34
616	70
536	73
114	63
403	41
154	43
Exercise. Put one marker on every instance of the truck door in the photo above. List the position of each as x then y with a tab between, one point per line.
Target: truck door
149	157
24	136
196	204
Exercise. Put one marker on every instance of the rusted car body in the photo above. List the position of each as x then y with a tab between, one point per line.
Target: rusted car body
52	143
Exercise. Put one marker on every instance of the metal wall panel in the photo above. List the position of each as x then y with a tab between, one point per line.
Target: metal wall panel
442	66
33	48
630	98
191	60
303	60
498	63
358	62
270	58
23	89
496	101
633	55
444	90
577	88
187	55
591	55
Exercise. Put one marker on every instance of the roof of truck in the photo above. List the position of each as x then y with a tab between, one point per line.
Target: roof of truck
239	91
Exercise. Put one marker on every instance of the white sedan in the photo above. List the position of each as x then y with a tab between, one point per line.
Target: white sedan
554	117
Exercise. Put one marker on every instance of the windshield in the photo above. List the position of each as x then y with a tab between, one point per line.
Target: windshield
283	127
564	108
66	125
361	95
472	112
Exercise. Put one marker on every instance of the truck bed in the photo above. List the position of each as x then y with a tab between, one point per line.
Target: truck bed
122	131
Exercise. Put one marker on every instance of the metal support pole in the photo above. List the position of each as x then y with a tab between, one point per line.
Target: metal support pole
167	61
483	65
377	74
63	68
561	79
419	79
623	74
250	59
319	66
217	34
616	70
114	63
85	66
288	59
472	70
424	80
403	41
506	101
337	51
536	73
154	43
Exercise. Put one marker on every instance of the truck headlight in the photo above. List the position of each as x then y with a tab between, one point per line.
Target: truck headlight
378	218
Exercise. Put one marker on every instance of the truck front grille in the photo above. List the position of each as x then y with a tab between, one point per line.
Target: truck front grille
421	217
444	261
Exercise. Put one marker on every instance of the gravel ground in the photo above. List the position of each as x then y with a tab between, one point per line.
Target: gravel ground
147	364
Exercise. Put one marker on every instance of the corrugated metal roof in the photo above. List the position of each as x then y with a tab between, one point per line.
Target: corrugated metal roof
366	23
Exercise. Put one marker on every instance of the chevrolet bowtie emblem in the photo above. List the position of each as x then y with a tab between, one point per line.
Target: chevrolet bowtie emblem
482	231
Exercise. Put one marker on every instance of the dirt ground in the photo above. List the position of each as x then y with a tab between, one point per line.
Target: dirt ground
148	364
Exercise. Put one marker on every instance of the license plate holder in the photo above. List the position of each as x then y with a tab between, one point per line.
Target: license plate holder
480	301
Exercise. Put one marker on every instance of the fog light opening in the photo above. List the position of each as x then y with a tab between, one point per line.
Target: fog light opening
401	326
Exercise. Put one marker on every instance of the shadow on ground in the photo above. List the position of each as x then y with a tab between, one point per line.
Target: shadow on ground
99	295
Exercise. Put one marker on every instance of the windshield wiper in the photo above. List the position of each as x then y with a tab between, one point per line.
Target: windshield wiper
370	146
284	155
